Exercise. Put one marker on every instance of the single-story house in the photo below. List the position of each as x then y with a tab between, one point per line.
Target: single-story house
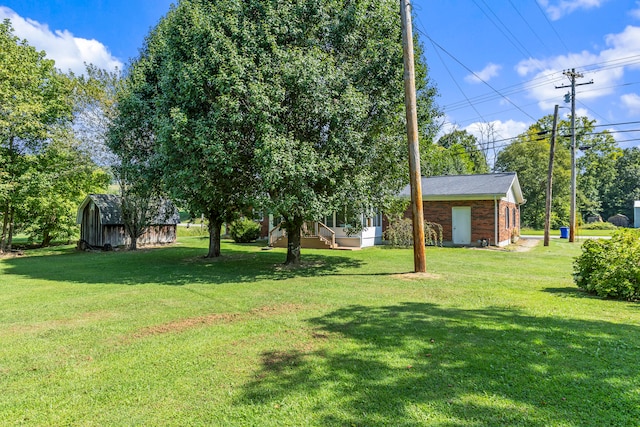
473	209
102	224
331	232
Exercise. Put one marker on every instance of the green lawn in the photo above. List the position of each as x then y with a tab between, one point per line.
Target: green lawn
165	337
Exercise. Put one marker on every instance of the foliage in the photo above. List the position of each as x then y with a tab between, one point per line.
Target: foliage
244	230
34	101
432	233
195	93
598	225
58	179
399	233
625	188
456	153
528	155
610	268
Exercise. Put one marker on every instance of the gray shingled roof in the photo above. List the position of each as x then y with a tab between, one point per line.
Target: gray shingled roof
111	214
468	186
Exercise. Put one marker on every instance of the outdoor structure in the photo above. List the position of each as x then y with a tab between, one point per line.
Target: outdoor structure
101	223
473	210
636	214
332	232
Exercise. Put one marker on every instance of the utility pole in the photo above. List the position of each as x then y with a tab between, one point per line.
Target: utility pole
415	178
547	216
572	76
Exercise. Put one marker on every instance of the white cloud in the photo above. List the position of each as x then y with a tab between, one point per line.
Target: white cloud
496	129
631	101
635	13
69	52
491	70
565	7
620	48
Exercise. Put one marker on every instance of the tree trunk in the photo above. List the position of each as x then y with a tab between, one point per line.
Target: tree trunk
10	236
293	238
5	228
46	239
133	243
215	227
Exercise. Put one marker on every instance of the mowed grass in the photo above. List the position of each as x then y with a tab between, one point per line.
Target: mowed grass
165	337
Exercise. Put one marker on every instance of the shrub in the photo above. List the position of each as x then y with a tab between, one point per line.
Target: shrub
610	268
244	230
399	233
432	233
599	226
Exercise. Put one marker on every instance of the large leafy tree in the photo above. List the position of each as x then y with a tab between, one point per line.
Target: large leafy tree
34	101
194	94
298	102
335	135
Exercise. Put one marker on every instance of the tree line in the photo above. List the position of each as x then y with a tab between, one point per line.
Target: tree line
294	108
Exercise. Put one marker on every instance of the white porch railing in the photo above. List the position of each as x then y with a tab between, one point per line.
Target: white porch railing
309	229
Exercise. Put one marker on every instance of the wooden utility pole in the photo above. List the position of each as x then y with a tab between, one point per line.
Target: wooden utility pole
572	215
415	179
547	216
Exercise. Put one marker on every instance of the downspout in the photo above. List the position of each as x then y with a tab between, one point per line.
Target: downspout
495	219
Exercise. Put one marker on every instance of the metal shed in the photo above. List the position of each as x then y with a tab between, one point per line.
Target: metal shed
102	224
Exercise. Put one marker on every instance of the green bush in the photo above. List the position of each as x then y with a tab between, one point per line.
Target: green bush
399	234
611	268
599	226
244	230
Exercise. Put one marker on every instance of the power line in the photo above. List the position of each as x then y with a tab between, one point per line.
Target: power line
551	25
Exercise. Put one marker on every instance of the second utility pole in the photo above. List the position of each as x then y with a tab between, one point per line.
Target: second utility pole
572	76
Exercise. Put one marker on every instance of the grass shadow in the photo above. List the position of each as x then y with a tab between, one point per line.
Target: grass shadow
175	265
410	363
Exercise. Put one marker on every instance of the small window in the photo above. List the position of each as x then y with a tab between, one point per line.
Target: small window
506	215
514	223
328	221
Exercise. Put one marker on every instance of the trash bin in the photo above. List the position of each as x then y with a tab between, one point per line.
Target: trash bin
564	232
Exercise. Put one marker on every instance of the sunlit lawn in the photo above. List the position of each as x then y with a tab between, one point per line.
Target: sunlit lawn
165	337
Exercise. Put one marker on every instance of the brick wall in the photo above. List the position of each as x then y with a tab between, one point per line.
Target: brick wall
482	218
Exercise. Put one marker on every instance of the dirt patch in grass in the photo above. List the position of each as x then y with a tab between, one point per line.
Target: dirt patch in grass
416	276
181	325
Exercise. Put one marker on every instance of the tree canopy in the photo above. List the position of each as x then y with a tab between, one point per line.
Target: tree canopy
295	107
42	169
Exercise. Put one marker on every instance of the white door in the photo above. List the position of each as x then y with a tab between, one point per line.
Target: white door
461	225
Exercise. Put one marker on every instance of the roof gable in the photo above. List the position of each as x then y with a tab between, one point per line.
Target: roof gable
469	186
111	213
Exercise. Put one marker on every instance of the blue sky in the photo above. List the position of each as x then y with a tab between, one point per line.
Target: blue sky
496	63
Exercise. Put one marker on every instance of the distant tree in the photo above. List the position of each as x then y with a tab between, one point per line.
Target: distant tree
460	154
528	155
34	101
131	137
59	177
625	188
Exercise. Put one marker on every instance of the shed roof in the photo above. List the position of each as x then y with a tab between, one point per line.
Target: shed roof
478	187
111	212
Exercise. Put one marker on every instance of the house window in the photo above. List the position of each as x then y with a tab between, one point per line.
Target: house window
514	217
328	221
506	215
